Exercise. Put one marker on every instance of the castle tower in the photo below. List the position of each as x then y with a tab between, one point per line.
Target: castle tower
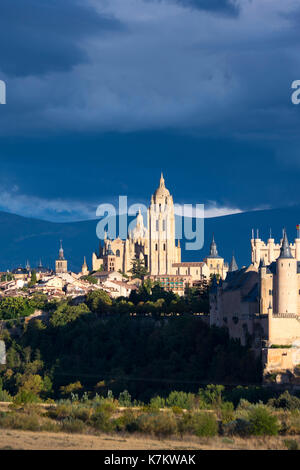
61	264
286	287
163	252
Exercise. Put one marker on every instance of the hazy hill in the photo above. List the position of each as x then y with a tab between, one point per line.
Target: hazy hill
23	238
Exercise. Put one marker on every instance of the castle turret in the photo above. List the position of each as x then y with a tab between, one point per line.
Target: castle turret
297	243
286	280
233	265
264	287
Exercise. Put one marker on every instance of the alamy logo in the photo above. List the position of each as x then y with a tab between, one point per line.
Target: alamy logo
296	94
160	224
2	92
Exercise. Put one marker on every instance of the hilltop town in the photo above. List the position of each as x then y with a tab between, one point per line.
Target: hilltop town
258	304
120	265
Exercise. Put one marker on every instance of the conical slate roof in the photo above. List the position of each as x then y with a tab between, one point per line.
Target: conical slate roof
233	265
285	251
213	249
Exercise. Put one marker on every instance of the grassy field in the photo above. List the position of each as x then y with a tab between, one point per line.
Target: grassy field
27	440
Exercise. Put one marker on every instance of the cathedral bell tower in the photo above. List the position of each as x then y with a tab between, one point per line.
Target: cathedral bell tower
61	264
163	252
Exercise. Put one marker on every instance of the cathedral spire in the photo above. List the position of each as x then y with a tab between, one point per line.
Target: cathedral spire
61	251
213	247
162	180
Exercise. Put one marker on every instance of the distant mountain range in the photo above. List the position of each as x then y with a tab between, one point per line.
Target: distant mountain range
23	239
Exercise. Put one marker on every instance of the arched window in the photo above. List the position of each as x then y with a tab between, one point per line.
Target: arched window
164	247
118	253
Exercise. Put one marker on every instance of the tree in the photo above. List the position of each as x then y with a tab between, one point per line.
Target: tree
71	388
139	269
99	301
90	279
15	307
7	277
33	279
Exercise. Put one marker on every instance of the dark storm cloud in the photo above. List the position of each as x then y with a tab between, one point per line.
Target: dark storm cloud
192	70
228	7
37	36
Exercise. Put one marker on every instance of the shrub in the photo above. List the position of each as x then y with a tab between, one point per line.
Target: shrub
239	427
24	397
83	413
50	425
158	424
181	400
126	422
263	422
285	401
124	398
291	444
212	395
227	412
60	412
177	410
185	424
244	405
71	388
290	422
102	422
101	419
5	396
205	424
21	421
73	425
157	402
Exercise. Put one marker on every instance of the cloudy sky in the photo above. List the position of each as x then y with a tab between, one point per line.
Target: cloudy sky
103	95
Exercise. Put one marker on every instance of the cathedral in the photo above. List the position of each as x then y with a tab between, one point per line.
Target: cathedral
155	244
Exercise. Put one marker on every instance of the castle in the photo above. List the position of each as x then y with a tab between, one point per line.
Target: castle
260	303
155	245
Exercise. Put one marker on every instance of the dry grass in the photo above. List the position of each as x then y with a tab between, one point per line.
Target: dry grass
27	440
